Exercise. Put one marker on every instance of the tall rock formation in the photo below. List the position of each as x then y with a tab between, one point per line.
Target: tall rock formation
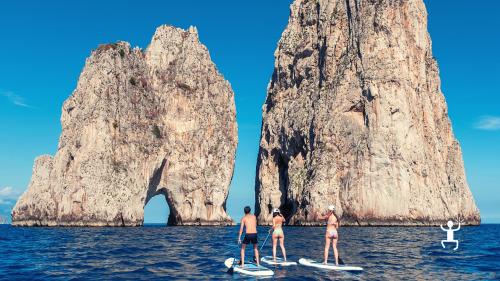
140	123
355	117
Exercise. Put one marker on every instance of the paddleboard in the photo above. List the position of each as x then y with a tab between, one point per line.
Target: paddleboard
279	261
313	263
249	269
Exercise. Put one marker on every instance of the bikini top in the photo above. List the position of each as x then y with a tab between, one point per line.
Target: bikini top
331	223
278	224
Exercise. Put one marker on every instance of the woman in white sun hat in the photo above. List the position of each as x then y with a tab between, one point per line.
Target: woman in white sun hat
278	234
332	235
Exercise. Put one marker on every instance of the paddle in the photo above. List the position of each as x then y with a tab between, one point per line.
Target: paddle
341	262
265	240
231	269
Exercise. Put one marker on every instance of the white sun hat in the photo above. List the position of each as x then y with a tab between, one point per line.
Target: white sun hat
276	210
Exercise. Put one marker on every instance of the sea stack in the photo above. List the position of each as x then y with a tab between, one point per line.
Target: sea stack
140	123
355	117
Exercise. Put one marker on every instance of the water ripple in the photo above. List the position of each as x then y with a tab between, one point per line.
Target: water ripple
153	253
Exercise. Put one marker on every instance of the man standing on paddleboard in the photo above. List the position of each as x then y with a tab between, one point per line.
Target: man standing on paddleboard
249	221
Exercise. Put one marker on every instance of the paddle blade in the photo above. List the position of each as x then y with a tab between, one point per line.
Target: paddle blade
341	262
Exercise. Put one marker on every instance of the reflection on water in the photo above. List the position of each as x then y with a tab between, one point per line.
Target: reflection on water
153	252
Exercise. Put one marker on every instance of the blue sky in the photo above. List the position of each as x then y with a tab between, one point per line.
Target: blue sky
44	46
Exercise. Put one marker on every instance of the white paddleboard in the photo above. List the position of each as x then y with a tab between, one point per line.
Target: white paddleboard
249	269
279	261
313	263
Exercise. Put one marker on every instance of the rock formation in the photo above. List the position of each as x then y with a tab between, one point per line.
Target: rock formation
140	123
355	117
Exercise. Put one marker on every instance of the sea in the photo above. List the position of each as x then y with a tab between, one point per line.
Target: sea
158	252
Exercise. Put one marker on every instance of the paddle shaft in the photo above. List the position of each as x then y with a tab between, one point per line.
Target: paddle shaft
265	240
234	261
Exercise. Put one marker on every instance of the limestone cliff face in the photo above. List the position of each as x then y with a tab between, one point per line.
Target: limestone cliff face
140	123
355	117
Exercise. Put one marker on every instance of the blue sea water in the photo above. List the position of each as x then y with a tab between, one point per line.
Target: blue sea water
167	253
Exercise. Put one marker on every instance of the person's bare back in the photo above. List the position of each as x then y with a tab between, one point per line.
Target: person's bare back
250	223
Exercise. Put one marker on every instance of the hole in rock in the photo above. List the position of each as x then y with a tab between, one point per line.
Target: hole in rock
156	211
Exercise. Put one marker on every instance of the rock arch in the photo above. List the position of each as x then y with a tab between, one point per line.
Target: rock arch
156	210
139	123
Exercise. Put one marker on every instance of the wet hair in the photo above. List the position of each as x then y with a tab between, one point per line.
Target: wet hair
275	214
247	209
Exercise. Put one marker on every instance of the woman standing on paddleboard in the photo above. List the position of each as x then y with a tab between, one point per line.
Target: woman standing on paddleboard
278	221
332	235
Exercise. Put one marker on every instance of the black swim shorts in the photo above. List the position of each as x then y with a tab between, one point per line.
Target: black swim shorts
250	238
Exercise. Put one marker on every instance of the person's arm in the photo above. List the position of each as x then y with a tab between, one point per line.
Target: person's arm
442	228
242	224
272	226
458	227
321	216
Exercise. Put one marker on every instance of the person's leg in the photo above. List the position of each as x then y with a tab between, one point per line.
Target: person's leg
275	242
456	247
282	246
335	252
442	243
243	246
256	251
327	248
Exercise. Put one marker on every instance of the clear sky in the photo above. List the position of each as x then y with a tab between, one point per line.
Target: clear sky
44	45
